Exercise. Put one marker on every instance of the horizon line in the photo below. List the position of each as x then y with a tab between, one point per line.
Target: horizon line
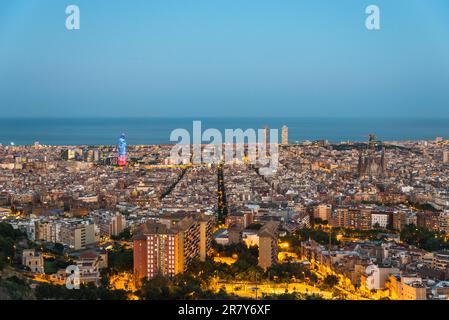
229	117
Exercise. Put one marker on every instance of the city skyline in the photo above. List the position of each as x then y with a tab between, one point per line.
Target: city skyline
145	131
224	156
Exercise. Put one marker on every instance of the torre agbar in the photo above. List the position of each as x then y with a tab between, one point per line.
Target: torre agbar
122	155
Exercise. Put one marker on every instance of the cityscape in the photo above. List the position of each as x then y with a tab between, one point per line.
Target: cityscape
213	159
364	220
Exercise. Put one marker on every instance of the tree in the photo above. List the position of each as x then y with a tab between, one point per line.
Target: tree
121	259
423	238
58	248
330	281
320	236
184	286
157	288
124	235
47	291
8	238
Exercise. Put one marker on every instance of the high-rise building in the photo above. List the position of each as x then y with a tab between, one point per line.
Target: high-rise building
78	236
169	248
268	244
342	218
108	223
266	136
117	224
446	157
96	155
122	153
75	233
284	137
323	211
361	218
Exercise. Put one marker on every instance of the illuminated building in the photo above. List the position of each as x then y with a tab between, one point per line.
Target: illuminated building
89	264
169	248
268	244
323	211
122	155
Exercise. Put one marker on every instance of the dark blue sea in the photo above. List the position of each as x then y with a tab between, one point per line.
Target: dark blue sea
105	131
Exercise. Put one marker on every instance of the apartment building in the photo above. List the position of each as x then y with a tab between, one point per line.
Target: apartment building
75	233
441	260
361	218
109	223
407	287
323	211
381	220
242	218
341	218
169	247
78	235
33	260
47	231
89	264
268	244
376	276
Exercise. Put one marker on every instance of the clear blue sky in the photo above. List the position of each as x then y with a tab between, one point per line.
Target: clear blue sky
224	58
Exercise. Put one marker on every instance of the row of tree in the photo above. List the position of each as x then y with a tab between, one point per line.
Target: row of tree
424	238
46	291
9	237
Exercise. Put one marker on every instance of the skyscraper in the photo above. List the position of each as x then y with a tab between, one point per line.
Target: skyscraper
284	137
122	155
266	136
446	157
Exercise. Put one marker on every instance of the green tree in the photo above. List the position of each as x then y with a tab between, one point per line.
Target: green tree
121	259
124	235
330	281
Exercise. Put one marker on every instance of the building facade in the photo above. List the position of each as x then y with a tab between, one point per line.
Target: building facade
268	244
169	247
284	136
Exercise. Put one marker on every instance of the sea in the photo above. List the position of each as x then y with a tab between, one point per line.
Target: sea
141	131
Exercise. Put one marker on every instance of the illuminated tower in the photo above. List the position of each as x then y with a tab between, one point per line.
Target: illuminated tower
122	156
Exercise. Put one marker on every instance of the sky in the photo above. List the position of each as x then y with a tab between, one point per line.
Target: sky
224	58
